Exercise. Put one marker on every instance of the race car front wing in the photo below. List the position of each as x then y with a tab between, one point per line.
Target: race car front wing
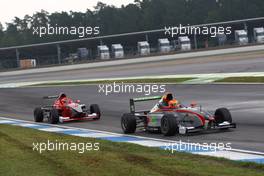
224	125
88	117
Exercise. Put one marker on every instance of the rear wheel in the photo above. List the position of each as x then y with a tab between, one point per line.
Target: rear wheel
54	116
94	108
222	115
129	123
38	114
169	125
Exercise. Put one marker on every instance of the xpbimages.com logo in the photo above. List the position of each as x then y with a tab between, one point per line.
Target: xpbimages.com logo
64	146
146	89
212	31
79	31
198	147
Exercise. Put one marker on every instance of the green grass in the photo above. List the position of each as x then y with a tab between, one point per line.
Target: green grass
142	81
18	158
249	79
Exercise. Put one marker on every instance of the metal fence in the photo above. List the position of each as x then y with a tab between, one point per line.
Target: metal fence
59	52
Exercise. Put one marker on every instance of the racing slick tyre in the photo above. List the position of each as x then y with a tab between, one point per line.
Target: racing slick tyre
129	123
38	115
169	125
94	108
222	115
54	116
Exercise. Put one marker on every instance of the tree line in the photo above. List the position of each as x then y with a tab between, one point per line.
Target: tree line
137	16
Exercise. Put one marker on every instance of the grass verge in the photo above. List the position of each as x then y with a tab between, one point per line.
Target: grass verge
18	158
128	81
249	79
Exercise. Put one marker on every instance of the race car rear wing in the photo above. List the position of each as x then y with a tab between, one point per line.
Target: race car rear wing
51	97
133	100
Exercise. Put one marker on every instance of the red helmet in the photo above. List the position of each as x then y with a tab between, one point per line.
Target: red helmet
62	95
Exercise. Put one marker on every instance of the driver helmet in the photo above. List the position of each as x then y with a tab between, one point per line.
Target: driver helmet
167	97
62	95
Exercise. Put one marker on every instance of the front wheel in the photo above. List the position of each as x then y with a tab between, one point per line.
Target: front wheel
54	116
94	108
223	115
38	114
129	123
169	125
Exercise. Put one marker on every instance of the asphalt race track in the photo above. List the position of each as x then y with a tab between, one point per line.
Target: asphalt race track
229	63
246	103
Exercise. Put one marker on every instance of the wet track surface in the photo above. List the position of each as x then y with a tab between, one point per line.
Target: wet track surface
246	103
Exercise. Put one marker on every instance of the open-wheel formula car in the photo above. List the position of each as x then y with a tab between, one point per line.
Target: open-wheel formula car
170	120
65	109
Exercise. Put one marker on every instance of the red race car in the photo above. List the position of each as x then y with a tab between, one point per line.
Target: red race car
64	109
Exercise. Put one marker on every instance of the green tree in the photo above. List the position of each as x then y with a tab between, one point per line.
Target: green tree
137	16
